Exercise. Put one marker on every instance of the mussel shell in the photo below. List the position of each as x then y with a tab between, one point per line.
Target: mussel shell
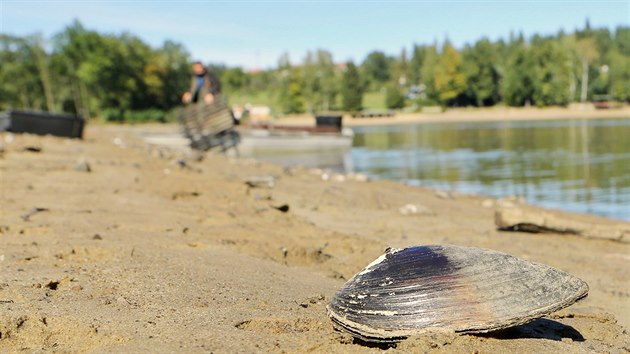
448	288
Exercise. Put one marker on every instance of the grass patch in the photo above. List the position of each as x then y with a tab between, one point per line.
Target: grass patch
374	100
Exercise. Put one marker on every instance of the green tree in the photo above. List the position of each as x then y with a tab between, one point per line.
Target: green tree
259	81
482	76
320	82
117	72
44	72
21	84
400	68
72	46
234	79
427	75
618	58
551	73
619	75
290	89
415	64
90	72
294	102
622	40
450	81
173	63
351	89
394	98
376	69
518	83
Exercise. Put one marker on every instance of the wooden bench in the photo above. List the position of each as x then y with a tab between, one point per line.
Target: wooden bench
209	125
374	113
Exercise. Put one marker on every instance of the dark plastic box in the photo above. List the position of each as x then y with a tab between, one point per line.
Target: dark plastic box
44	123
328	120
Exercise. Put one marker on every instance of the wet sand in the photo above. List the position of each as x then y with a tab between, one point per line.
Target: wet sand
155	250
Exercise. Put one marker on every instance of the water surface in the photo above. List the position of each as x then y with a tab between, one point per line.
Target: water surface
576	165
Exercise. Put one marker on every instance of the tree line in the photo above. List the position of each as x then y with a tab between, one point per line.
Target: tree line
120	77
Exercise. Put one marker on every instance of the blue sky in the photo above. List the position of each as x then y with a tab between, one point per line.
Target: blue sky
255	33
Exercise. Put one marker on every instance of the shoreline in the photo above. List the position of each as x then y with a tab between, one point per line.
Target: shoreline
463	115
170	129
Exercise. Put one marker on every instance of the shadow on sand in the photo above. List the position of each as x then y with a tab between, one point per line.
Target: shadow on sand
541	328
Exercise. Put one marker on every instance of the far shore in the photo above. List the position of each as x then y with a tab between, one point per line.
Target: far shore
494	114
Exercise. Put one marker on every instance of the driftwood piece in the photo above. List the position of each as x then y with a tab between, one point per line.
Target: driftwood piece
261	182
531	219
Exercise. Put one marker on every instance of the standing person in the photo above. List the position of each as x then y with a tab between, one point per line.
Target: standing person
203	84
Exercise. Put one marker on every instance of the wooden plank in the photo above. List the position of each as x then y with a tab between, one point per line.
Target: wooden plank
536	220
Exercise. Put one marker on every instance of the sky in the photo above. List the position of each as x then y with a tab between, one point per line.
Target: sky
254	34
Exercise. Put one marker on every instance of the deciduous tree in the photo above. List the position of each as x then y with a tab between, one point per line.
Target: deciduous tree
351	89
450	81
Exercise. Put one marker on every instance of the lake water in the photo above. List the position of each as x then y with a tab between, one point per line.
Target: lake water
576	165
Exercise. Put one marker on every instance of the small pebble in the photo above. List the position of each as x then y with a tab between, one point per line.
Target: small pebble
121	300
339	177
443	195
83	166
359	177
261	182
410	209
119	142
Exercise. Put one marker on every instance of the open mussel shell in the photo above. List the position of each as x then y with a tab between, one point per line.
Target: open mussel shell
448	288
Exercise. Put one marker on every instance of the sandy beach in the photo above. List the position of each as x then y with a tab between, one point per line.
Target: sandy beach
491	114
110	245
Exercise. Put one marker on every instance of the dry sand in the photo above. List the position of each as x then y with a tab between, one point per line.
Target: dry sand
492	114
144	254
